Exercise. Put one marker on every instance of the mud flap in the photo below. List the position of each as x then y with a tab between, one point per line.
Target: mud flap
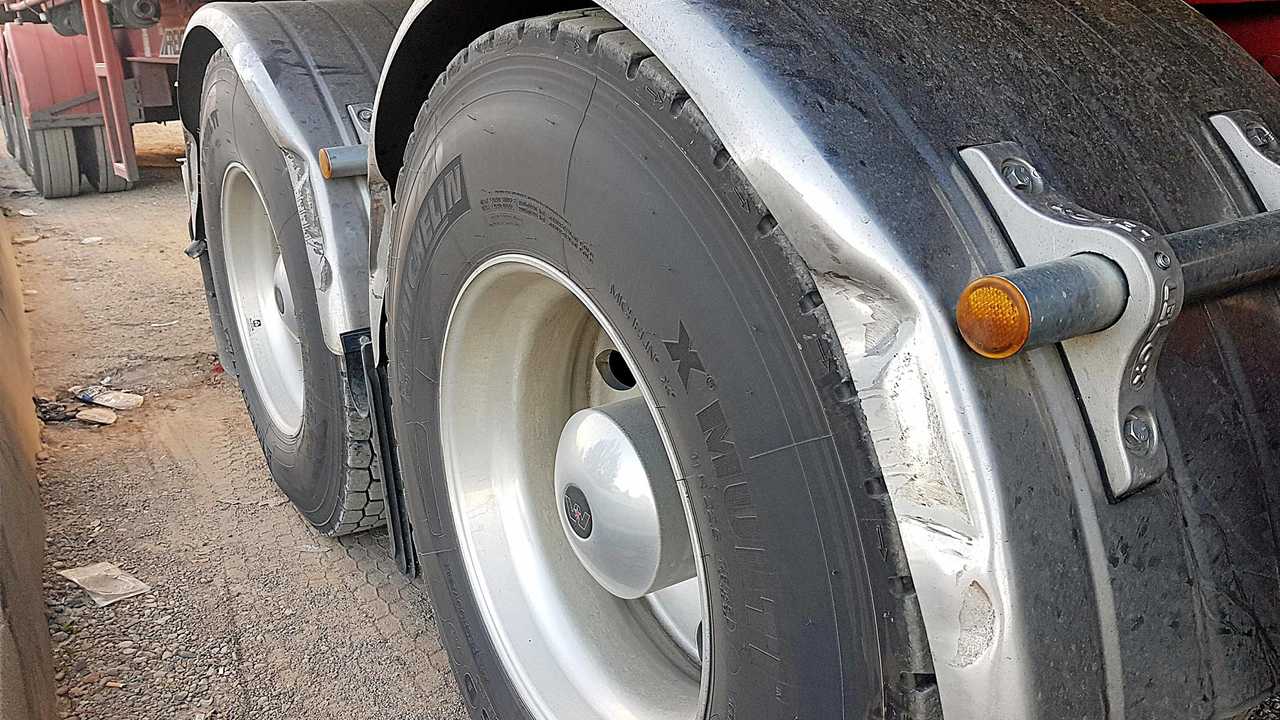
372	399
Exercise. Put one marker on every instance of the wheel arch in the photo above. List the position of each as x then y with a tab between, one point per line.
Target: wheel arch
280	48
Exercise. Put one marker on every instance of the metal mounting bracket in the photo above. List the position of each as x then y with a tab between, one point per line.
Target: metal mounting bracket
1256	150
361	115
1114	369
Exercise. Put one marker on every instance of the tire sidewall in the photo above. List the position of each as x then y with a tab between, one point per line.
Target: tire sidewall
308	464
712	315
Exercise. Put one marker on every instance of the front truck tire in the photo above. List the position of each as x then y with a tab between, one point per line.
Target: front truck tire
606	189
264	312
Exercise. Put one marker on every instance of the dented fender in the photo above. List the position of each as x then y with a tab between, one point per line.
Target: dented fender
304	67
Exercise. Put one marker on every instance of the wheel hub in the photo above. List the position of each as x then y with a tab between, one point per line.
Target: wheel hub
261	300
622	512
284	297
563	507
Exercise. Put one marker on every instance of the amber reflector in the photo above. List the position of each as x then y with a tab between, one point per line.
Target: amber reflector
993	317
326	168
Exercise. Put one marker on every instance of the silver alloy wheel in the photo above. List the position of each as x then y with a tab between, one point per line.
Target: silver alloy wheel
519	359
261	300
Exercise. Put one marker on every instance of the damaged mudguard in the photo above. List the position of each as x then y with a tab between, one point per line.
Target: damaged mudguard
311	69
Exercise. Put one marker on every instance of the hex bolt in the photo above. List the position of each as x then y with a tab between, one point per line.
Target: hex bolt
1020	175
1139	435
1258	134
1162	261
365	114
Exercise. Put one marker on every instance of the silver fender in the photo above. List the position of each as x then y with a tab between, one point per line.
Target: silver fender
304	64
1008	534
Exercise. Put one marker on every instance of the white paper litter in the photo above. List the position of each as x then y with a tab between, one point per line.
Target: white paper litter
106	583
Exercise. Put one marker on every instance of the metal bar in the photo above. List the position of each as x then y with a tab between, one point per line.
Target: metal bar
1070	297
109	70
1229	256
34	5
66	105
344	161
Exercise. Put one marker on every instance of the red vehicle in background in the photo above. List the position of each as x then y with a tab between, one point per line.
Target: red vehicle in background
76	76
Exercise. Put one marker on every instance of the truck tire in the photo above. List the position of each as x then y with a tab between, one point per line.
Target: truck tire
12	124
55	169
316	444
95	162
569	238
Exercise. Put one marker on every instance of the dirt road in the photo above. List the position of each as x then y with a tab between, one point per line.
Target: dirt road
251	614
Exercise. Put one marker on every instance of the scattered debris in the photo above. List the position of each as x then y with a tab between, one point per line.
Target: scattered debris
94	240
51	410
171	323
106	397
23	193
97	416
26	239
106	583
27	212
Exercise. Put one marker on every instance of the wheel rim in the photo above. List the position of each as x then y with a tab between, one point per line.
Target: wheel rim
521	356
261	300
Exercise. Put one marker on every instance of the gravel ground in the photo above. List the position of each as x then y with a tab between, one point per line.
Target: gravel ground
251	614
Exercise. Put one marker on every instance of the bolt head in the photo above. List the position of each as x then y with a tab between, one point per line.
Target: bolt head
1020	175
365	115
1163	261
1139	434
1258	134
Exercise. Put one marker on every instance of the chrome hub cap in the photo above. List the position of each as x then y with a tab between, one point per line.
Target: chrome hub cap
623	515
261	300
570	519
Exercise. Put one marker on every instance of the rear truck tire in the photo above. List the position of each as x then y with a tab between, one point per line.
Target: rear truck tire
10	125
55	169
95	161
47	156
316	444
571	239
14	140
